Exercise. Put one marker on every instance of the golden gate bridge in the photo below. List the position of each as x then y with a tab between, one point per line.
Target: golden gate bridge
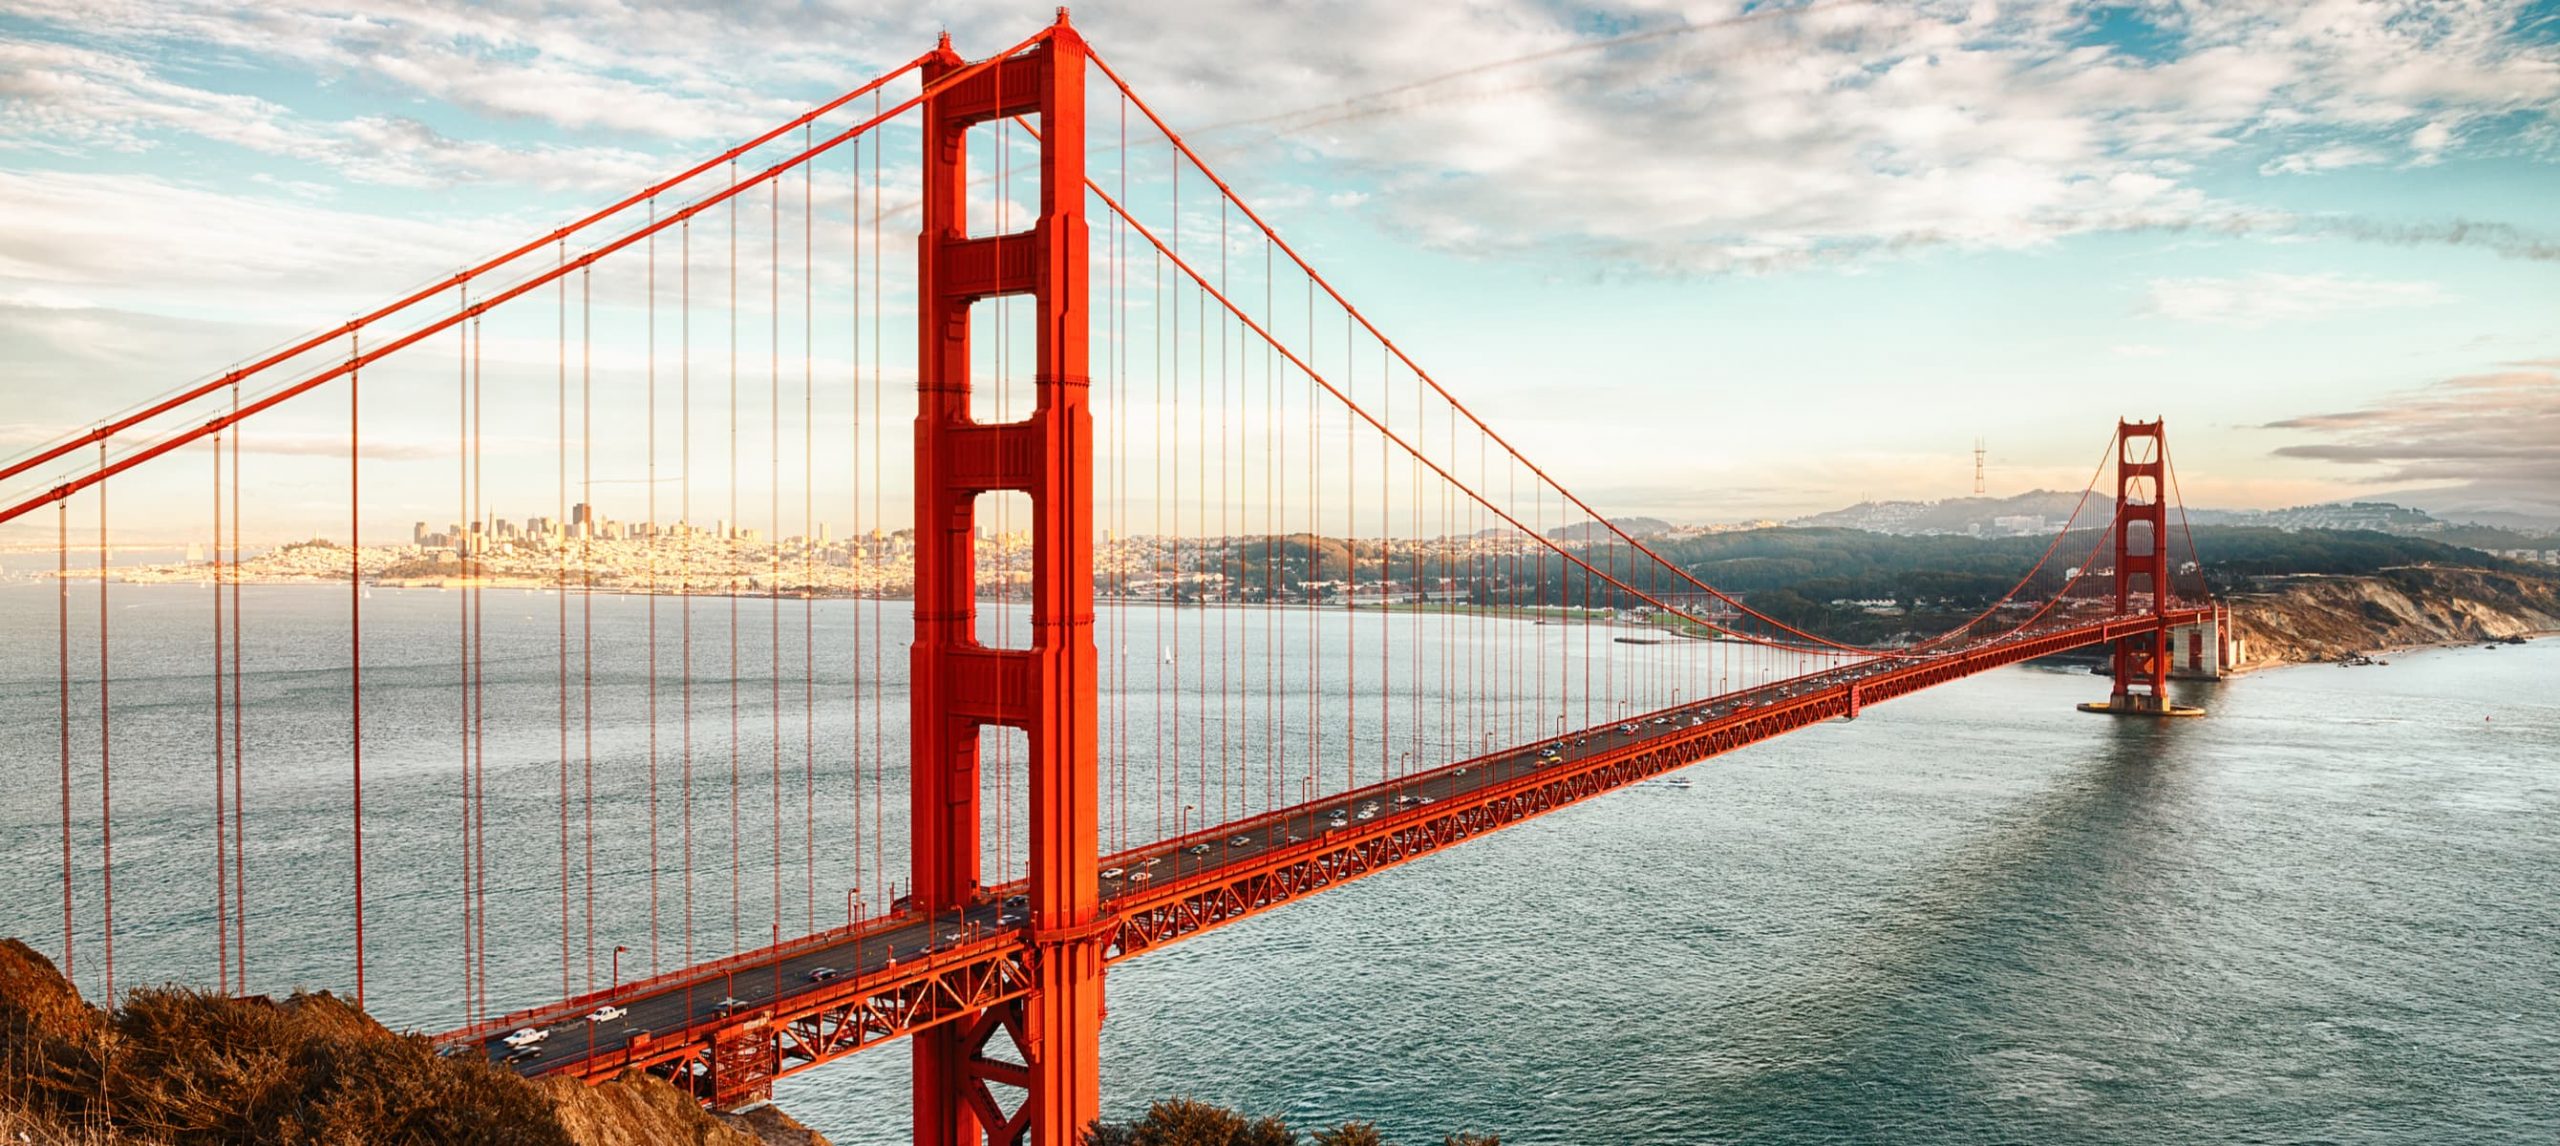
1105	339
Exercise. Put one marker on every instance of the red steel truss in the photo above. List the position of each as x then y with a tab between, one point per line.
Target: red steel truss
989	983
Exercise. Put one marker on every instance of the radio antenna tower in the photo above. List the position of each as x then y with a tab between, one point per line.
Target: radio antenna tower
1978	487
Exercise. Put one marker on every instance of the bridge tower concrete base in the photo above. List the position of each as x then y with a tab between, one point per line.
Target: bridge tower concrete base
1027	1070
2142	571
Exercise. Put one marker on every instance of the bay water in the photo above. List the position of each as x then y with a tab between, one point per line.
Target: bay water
2327	912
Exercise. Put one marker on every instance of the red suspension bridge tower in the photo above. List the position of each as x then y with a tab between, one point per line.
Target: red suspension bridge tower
2142	575
965	1072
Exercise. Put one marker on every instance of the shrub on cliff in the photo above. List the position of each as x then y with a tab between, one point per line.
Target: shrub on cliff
181	1066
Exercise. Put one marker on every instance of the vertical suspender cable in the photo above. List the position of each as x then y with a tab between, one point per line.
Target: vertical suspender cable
587	593
559	590
221	849
684	563
655	530
355	640
239	741
728	560
62	635
479	694
462	618
106	791
773	519
856	541
879	602
808	537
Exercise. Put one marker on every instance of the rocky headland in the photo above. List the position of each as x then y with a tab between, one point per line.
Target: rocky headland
2318	617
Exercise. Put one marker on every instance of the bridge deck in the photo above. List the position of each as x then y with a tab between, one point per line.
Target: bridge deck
733	1025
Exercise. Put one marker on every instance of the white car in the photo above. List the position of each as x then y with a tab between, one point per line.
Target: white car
1113	872
527	1036
606	1013
1199	849
1240	842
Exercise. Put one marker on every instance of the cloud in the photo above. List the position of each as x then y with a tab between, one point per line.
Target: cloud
2321	159
81	238
2428	143
1771	138
1735	136
65	100
2263	298
2493	439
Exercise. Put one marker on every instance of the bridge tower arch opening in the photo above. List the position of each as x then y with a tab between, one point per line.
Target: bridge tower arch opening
1027	1070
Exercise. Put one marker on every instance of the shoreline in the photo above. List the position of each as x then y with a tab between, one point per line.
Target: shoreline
2401	650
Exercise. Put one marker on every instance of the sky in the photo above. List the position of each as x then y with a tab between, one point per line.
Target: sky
1708	262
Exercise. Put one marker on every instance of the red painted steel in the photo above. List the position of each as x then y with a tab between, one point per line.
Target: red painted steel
2142	567
988	981
1048	690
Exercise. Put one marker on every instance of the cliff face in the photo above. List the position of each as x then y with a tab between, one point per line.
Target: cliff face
2321	618
178	1066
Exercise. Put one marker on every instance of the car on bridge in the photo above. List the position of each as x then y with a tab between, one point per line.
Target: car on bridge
520	1054
1198	849
1114	872
730	1005
606	1013
526	1036
822	974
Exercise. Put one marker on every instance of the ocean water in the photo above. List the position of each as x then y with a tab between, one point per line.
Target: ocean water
2328	912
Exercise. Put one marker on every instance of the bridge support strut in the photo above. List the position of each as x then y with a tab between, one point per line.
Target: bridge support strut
1026	1071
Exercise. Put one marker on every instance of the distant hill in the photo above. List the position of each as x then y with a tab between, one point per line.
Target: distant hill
2042	512
2037	511
1594	531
